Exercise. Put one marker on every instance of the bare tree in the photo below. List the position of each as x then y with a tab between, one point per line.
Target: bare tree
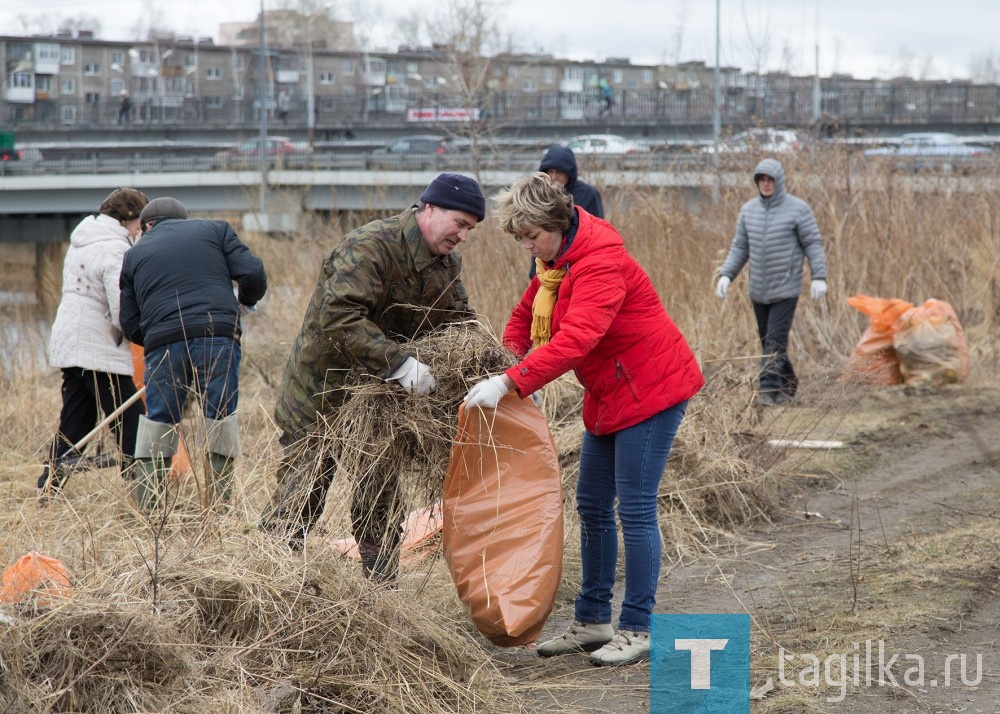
678	35
758	48
758	41
789	58
473	46
153	24
409	29
51	24
902	65
985	68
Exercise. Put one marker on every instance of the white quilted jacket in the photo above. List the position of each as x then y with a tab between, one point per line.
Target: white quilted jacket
85	332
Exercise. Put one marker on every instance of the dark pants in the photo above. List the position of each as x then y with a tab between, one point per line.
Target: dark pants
774	322
304	477
85	395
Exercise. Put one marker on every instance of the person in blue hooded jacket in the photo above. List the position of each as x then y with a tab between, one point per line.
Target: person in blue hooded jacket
559	163
775	233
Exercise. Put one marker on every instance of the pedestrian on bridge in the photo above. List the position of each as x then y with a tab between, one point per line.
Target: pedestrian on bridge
775	232
86	341
386	283
177	301
125	108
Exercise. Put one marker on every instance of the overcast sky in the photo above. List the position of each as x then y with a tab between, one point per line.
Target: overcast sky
866	38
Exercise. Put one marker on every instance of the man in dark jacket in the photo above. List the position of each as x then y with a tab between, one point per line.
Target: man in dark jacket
775	232
559	163
177	301
384	284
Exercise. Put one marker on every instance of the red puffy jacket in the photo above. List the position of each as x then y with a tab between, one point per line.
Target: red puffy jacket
611	328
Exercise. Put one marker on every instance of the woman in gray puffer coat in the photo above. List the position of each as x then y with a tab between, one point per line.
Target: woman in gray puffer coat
774	232
86	342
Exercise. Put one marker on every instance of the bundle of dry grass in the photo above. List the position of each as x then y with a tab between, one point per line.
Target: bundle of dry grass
85	655
211	622
383	430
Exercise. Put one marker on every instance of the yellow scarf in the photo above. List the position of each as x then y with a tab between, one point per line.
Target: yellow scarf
545	302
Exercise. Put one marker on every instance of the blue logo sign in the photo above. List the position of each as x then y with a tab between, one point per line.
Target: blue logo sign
699	664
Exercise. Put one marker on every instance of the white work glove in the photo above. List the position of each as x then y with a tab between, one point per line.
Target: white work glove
486	394
817	289
415	377
722	287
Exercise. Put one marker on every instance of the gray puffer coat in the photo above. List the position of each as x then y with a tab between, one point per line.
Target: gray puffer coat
775	234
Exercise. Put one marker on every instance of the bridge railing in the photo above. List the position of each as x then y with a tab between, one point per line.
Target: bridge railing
879	104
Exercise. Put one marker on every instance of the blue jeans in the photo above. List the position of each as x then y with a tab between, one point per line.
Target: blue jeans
207	366
627	464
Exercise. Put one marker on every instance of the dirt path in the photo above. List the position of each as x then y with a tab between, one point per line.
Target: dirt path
893	539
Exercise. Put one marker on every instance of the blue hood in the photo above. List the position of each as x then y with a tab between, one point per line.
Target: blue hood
560	158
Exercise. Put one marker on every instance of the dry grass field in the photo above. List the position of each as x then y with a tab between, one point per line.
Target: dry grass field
894	537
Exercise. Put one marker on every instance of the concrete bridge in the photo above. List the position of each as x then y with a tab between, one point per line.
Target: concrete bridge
38	212
44	208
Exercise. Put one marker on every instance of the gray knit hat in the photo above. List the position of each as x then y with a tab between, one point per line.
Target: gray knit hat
165	207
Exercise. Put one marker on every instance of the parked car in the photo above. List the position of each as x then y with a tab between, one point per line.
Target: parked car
930	150
758	141
20	160
412	153
280	149
605	144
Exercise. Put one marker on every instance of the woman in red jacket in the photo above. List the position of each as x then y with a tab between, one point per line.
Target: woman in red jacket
592	309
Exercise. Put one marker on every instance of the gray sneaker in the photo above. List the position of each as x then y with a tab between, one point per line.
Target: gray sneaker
579	637
624	648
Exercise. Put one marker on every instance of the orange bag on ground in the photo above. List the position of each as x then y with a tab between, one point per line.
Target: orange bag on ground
36	575
419	529
503	519
180	464
931	345
874	360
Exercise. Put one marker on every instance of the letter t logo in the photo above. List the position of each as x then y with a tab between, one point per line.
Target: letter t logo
701	659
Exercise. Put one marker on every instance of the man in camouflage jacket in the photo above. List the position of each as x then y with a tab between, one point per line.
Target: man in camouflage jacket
385	283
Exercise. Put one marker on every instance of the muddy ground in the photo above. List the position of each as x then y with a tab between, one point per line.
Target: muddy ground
894	538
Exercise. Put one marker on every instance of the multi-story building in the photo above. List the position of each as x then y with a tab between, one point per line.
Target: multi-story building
313	77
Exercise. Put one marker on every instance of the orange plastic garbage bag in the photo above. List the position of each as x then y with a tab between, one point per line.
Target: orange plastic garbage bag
180	464
38	576
874	360
419	529
503	519
931	345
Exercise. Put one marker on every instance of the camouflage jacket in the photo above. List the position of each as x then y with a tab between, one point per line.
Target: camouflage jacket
380	286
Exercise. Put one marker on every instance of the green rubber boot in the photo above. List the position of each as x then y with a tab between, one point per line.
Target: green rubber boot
147	482
222	478
380	561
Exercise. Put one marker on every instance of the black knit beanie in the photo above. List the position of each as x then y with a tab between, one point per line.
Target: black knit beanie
458	193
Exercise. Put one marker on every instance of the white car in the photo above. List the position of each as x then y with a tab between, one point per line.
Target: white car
605	144
760	141
929	144
931	150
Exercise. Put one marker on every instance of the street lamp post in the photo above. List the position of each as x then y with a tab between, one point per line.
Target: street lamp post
262	95
717	111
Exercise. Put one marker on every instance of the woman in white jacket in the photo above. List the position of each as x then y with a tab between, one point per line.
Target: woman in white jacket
86	342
